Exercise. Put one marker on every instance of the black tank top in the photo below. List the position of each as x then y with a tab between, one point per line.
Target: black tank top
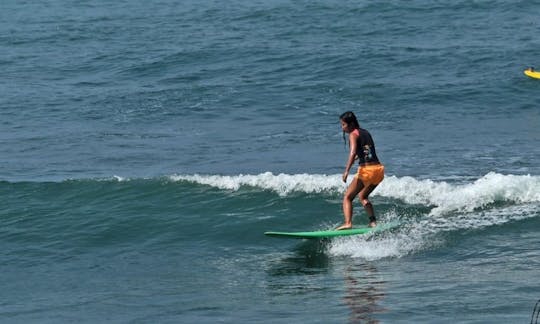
365	148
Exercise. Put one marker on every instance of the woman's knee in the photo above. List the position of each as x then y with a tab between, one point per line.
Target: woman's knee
348	197
365	202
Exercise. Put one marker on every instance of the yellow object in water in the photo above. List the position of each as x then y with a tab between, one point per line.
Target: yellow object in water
530	72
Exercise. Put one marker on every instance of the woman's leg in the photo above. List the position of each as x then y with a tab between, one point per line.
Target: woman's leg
364	200
354	188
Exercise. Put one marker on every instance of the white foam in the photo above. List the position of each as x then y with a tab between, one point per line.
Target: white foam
373	249
394	243
442	196
119	179
283	184
445	197
421	234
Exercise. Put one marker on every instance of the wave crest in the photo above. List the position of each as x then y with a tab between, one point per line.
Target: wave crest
443	196
446	197
283	184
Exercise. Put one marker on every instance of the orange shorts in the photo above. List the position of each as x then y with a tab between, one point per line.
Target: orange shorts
371	174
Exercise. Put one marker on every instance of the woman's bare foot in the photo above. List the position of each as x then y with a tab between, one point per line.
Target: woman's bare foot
344	226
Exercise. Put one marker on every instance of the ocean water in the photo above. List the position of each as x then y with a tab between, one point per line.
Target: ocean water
147	146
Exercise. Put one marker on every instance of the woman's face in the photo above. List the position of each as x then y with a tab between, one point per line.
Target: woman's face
345	127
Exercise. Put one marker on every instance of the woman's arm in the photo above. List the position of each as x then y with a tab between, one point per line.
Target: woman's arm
352	155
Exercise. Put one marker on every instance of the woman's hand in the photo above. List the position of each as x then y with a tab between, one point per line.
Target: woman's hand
345	175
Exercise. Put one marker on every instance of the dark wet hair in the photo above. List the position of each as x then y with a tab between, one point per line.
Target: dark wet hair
350	119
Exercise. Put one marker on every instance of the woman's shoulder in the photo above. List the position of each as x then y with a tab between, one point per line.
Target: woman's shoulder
363	131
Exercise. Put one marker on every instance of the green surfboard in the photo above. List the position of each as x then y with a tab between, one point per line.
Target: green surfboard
333	233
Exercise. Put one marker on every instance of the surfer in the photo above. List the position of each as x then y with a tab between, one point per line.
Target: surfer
370	170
